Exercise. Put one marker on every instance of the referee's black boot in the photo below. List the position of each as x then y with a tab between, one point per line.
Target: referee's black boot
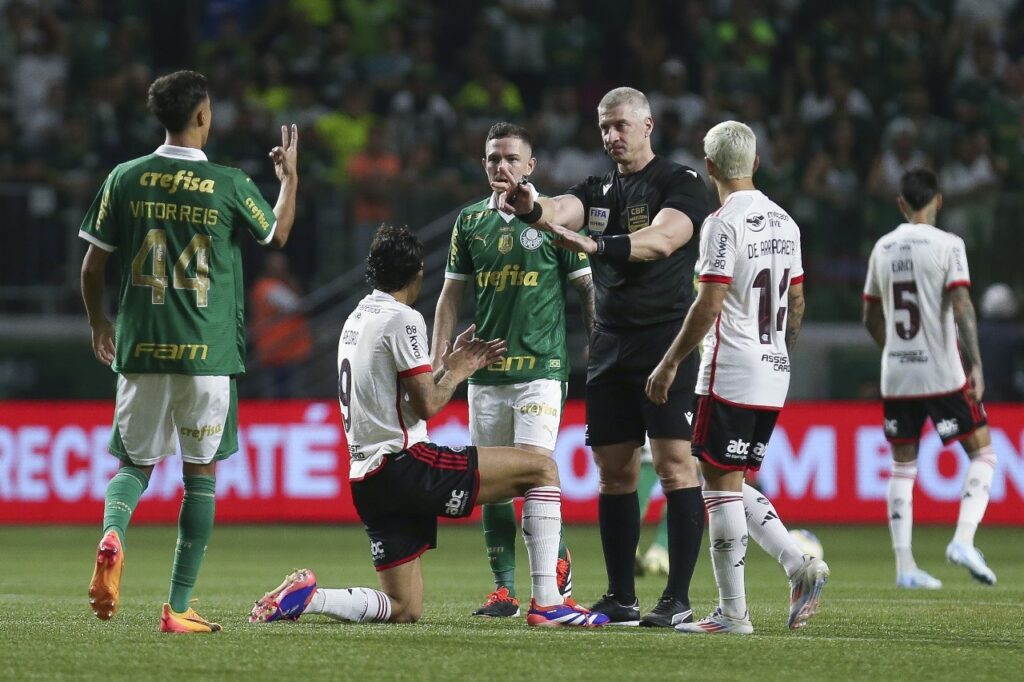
668	613
617	612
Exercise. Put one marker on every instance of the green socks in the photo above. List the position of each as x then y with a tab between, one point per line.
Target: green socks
123	493
500	530
195	525
645	486
662	537
648	479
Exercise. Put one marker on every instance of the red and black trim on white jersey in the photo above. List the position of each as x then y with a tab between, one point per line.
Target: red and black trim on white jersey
414	371
398	410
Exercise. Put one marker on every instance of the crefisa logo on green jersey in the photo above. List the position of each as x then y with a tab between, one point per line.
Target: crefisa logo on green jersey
184	180
508	276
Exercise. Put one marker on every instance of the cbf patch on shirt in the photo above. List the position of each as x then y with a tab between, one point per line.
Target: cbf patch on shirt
637	217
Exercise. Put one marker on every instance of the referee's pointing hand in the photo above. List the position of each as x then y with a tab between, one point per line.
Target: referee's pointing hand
513	196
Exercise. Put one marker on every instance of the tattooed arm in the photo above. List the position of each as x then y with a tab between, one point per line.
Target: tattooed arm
584	286
795	316
967	331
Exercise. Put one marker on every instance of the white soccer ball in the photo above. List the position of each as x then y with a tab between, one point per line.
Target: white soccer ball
808	542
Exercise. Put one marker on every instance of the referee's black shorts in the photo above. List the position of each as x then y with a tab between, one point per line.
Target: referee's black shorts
618	410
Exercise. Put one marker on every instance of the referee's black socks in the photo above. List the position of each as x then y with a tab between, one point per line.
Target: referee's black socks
685	516
619	518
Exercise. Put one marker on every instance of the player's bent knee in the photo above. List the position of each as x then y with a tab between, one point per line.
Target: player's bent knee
546	470
407	616
405	612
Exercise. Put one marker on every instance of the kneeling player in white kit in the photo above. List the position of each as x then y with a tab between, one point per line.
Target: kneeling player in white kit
749	269
400	481
918	309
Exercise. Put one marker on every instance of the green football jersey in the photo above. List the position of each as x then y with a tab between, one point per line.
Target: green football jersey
177	221
520	279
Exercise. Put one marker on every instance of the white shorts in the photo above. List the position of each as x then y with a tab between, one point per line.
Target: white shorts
527	413
156	412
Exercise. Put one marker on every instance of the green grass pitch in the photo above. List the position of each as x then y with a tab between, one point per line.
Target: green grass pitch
865	630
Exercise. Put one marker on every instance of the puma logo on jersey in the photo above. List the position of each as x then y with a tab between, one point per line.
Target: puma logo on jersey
948	427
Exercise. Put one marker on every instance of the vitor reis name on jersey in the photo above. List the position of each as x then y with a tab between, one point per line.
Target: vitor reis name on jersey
177	221
752	245
382	342
909	271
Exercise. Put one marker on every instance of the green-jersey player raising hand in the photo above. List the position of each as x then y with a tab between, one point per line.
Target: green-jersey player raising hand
178	221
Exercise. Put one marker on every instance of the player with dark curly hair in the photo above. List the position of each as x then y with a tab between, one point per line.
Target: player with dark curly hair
401	482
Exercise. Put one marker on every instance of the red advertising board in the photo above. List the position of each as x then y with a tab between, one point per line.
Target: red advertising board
827	462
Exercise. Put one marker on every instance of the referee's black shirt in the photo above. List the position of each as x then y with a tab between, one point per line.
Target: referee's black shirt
643	293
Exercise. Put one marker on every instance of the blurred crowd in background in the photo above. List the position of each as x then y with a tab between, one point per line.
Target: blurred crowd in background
394	98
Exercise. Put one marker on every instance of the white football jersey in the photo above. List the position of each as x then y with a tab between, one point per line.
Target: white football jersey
752	245
910	270
382	342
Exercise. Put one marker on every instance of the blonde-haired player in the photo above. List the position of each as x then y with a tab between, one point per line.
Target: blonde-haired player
748	312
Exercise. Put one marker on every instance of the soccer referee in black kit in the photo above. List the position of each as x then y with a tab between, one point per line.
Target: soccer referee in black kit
643	220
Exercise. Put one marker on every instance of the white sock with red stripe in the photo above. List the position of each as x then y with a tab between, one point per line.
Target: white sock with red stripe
542	527
899	498
768	531
974	497
727	528
354	604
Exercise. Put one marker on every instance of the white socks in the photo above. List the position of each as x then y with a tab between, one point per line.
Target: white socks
354	604
542	527
974	497
768	531
899	499
727	528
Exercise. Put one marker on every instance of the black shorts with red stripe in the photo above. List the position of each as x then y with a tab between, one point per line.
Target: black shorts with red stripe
731	437
955	415
399	502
